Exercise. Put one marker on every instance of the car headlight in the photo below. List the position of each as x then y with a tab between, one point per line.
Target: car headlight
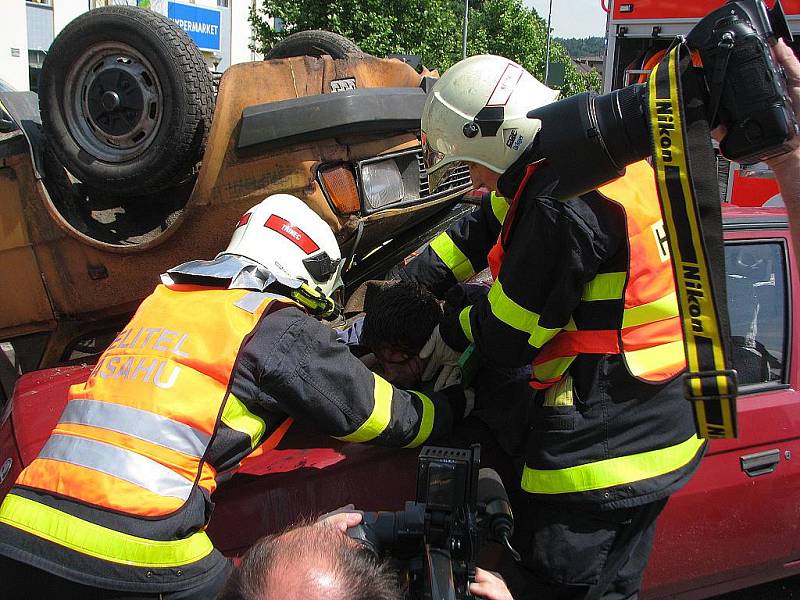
382	184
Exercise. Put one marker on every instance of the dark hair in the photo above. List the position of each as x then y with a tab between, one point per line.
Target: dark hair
355	570
400	315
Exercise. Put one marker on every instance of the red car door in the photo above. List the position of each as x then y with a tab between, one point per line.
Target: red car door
735	523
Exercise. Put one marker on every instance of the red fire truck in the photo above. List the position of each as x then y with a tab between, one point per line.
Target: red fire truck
639	31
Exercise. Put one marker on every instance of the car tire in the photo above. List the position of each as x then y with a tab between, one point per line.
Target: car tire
313	42
126	100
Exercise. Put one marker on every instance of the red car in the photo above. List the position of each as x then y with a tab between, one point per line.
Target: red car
734	525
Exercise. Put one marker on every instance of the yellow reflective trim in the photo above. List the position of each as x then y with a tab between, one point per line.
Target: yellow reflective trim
500	207
426	423
560	393
656	358
605	286
98	541
236	416
466	325
552	368
452	256
664	308
610	472
522	319
378	420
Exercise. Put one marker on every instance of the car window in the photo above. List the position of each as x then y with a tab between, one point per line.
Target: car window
89	346
17	356
757	301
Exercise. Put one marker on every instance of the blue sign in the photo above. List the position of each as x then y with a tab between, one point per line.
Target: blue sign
202	24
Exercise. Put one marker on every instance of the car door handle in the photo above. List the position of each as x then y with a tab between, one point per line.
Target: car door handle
760	463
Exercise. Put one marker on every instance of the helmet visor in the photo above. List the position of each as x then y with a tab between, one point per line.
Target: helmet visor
321	266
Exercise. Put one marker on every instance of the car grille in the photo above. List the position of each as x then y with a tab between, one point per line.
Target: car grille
457	180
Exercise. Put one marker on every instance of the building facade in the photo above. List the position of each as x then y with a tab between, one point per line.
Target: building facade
27	28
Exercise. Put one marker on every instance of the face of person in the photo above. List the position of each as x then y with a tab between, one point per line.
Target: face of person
402	369
483	177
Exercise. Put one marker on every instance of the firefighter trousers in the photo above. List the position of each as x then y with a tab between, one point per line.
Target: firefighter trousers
571	553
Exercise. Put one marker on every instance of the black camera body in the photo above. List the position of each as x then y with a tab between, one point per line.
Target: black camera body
588	139
435	541
743	78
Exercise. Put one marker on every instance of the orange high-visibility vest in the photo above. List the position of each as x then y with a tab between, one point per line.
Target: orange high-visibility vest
133	439
650	336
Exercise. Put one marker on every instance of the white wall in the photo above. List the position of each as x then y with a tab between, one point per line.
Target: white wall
66	10
240	33
14	34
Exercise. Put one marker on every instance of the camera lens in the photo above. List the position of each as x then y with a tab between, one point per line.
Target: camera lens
622	124
589	139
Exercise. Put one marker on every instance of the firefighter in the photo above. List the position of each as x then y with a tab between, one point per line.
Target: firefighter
583	292
215	363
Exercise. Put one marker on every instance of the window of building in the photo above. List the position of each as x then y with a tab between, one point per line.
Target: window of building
757	304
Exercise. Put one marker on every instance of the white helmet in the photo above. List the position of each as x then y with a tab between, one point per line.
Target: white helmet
283	234
477	112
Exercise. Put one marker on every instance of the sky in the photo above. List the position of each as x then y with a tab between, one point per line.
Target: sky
573	18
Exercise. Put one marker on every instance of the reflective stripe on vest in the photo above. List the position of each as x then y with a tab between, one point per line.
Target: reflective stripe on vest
611	472
98	541
452	256
117	462
137	423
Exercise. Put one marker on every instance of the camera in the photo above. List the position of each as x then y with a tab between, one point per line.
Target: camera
435	541
596	136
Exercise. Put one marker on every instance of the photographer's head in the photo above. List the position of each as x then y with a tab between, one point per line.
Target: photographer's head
477	113
311	562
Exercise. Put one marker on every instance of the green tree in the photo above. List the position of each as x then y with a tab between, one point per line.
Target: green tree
430	29
380	27
508	28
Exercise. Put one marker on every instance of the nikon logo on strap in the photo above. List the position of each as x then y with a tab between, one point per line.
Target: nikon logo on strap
687	189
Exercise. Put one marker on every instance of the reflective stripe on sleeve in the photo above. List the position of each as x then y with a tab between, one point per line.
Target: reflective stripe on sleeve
137	423
426	422
466	325
117	462
98	541
499	207
236	416
379	418
610	472
605	286
521	319
452	257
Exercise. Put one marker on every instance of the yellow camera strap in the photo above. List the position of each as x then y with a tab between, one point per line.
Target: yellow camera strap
687	186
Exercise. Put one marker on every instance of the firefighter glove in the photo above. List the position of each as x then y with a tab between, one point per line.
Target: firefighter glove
439	354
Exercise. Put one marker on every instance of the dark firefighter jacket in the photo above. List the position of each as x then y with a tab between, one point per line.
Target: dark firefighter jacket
460	252
599	434
120	495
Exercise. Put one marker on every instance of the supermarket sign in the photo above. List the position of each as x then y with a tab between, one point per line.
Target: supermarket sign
202	24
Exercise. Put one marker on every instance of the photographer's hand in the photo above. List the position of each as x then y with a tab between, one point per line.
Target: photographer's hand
489	586
787	166
342	518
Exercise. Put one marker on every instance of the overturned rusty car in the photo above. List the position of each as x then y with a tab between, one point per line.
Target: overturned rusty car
130	161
